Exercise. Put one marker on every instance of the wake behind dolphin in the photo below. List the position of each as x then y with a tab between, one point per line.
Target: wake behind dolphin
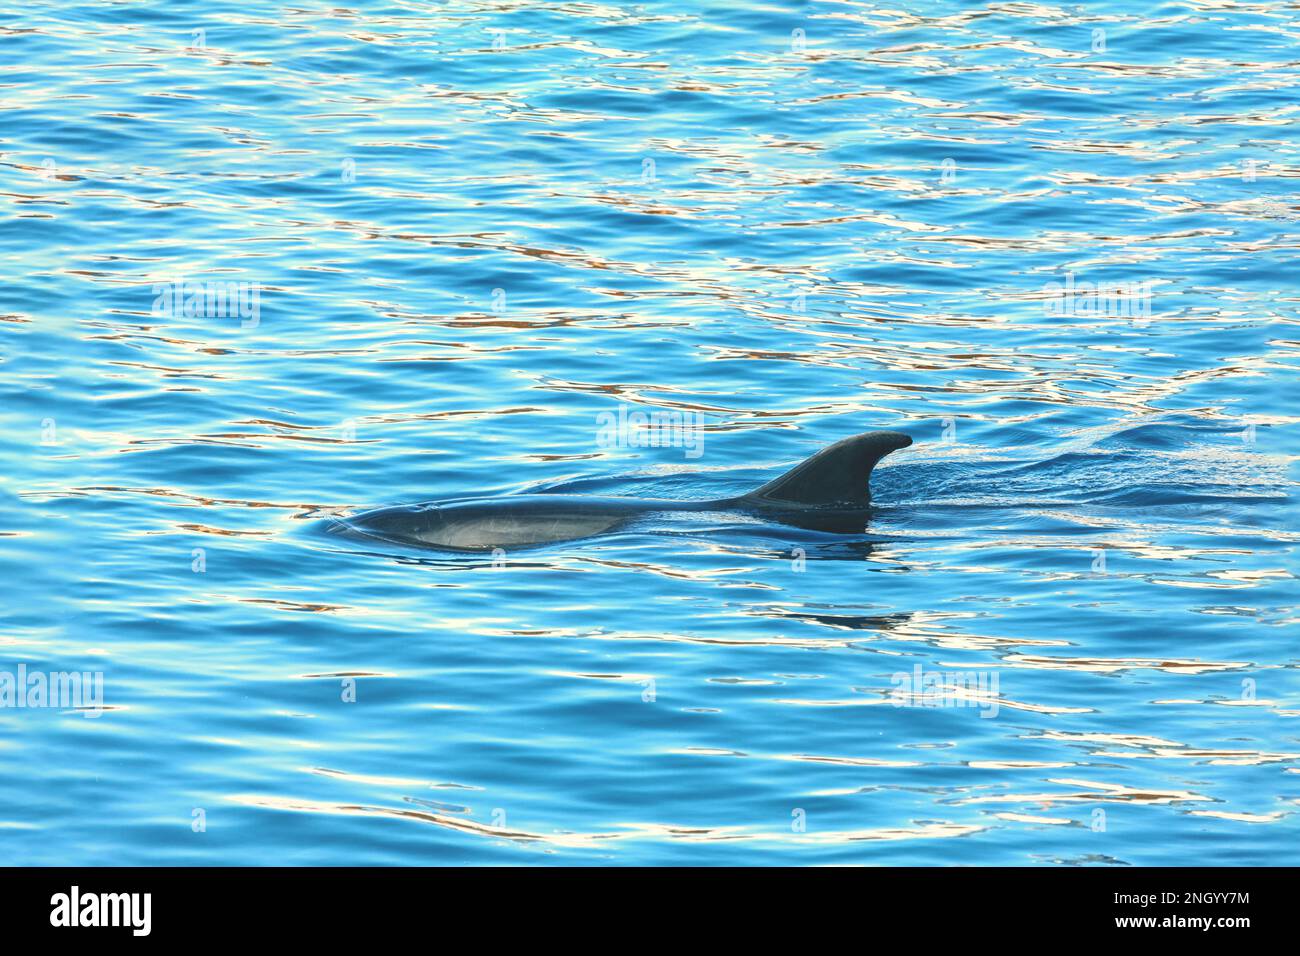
828	492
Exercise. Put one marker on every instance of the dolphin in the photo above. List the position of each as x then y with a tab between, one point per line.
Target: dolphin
827	492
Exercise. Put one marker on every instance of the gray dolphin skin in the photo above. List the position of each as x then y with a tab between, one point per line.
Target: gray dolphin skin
828	492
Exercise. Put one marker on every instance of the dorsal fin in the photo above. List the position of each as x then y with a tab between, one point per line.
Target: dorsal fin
836	475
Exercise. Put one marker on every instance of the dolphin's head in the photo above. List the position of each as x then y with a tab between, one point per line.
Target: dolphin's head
399	523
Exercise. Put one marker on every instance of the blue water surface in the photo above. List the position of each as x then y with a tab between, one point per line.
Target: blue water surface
464	233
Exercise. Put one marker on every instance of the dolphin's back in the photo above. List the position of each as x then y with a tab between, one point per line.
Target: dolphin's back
523	522
827	491
511	521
